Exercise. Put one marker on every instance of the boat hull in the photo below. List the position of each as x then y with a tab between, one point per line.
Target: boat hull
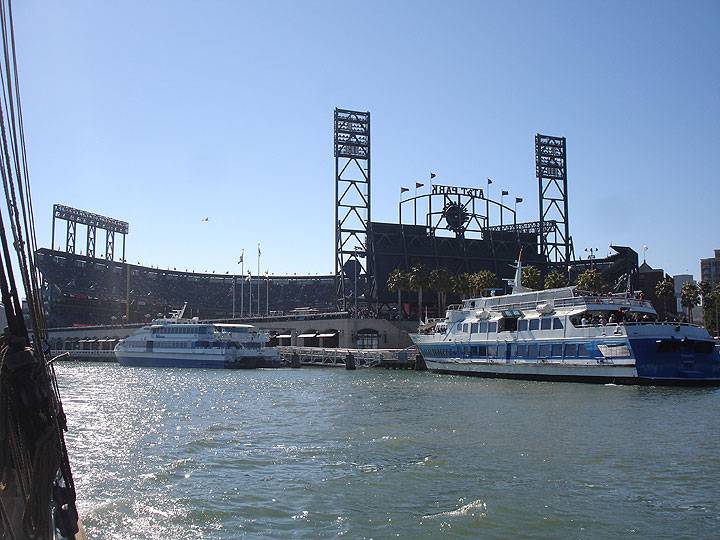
598	374
188	361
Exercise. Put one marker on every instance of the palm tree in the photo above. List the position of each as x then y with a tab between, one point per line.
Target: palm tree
483	280
462	284
713	305
590	281
665	289
531	278
397	280
418	279
555	280
689	297
441	282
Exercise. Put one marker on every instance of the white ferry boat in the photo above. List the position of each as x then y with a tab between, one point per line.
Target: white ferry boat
178	342
566	335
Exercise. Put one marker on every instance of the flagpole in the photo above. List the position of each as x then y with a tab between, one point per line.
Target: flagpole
487	204
258	273
242	284
267	292
233	295
249	278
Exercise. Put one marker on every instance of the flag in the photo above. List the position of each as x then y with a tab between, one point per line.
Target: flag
259	252
242	258
403	190
432	175
518	199
505	193
489	181
418	185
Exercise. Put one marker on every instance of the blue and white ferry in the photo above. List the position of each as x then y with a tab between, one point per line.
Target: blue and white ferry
178	342
566	335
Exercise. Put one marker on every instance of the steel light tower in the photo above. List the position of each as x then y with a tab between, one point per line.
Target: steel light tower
352	201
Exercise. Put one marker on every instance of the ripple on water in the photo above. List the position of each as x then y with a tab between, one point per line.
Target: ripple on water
180	454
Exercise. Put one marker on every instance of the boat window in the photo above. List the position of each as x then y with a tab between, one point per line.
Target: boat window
534	324
492	327
501	350
583	350
492	351
571	350
532	351
507	325
704	347
465	328
557	350
521	351
474	328
482	351
522	325
544	350
483	327
545	323
557	324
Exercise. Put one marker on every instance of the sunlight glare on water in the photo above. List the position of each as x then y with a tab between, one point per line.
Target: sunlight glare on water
322	453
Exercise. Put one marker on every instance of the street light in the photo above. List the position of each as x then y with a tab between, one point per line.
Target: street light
592	256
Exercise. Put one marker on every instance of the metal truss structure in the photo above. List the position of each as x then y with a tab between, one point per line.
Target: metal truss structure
551	172
352	207
73	217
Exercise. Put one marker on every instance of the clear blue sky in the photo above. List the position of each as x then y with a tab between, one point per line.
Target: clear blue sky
163	113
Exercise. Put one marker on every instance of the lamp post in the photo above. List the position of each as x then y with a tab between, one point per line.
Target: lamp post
592	256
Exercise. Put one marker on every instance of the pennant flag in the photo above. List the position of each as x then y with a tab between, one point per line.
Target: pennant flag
403	190
432	175
505	193
518	199
489	181
241	259
259	252
418	185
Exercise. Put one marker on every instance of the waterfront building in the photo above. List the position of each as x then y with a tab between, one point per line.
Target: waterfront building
710	269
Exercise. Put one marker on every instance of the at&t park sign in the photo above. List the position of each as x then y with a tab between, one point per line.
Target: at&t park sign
455	190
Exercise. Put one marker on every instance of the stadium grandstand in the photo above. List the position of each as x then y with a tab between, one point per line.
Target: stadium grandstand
82	290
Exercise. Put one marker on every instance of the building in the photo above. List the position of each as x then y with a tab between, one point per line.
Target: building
648	278
710	269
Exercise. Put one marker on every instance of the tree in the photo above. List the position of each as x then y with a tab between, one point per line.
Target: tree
483	280
531	277
689	297
441	283
418	280
555	280
665	289
590	281
711	305
463	284
397	281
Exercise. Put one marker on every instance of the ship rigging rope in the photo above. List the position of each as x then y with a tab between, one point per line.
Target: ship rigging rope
38	488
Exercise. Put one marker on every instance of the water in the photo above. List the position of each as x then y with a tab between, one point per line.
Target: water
323	453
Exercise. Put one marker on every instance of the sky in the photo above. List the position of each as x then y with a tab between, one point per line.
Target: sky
164	113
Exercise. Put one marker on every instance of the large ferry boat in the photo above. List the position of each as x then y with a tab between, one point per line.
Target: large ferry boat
567	335
178	342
